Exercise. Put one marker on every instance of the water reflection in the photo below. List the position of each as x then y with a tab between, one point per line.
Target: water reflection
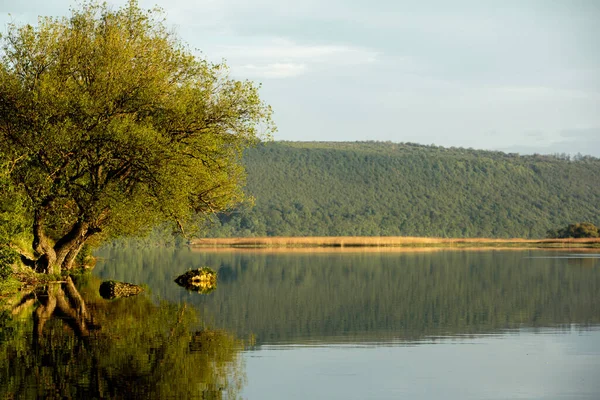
333	297
61	342
531	364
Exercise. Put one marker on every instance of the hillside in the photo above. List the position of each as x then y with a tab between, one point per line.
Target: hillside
389	189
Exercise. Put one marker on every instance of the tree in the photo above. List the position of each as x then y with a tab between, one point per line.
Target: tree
109	125
577	231
13	223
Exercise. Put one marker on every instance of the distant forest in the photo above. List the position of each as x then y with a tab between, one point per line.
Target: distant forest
392	189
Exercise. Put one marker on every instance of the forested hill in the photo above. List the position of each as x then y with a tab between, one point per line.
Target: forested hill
373	188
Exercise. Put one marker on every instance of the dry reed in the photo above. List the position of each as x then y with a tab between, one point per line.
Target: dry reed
389	241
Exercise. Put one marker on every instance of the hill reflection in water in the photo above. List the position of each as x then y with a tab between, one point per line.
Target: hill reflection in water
312	297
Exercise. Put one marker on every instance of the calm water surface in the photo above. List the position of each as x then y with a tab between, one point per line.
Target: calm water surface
361	325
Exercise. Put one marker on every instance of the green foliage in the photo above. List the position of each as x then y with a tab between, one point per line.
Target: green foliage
9	286
7	258
163	235
111	125
202	280
138	350
85	257
580	230
390	189
13	222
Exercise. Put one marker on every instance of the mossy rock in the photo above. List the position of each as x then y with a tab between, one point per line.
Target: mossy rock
115	289
202	280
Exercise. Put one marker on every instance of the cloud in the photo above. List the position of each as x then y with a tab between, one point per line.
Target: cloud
571	141
585	141
283	58
277	70
287	49
540	92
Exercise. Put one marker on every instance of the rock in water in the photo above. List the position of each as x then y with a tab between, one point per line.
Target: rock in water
201	280
115	289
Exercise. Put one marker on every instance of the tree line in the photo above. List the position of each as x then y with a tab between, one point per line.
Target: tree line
405	189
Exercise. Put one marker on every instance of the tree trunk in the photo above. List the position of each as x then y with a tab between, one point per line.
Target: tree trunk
70	257
70	243
46	262
60	257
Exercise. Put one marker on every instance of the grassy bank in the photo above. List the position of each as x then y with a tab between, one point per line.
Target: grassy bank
23	279
392	241
8	287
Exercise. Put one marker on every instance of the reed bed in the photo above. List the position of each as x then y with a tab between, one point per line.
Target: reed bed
380	250
389	241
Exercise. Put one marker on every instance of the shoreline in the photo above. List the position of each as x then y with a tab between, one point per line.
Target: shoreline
391	242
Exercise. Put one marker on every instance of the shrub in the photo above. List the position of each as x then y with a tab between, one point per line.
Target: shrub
7	258
580	230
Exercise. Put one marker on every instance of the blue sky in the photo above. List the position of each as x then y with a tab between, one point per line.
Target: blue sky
520	76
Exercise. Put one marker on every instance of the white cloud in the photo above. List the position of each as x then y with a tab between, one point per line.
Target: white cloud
287	49
277	70
571	141
283	58
540	93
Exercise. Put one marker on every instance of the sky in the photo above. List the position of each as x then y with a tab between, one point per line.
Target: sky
512	75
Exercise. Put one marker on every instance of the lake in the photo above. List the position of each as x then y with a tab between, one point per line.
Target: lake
331	324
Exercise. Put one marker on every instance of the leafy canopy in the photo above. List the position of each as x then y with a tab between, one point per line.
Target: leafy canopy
577	231
108	120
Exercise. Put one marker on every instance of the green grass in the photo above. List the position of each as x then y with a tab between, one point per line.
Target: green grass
9	286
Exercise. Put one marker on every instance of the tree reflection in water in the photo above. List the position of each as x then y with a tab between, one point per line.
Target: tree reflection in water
55	344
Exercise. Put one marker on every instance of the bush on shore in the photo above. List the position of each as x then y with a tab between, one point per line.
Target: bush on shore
576	231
